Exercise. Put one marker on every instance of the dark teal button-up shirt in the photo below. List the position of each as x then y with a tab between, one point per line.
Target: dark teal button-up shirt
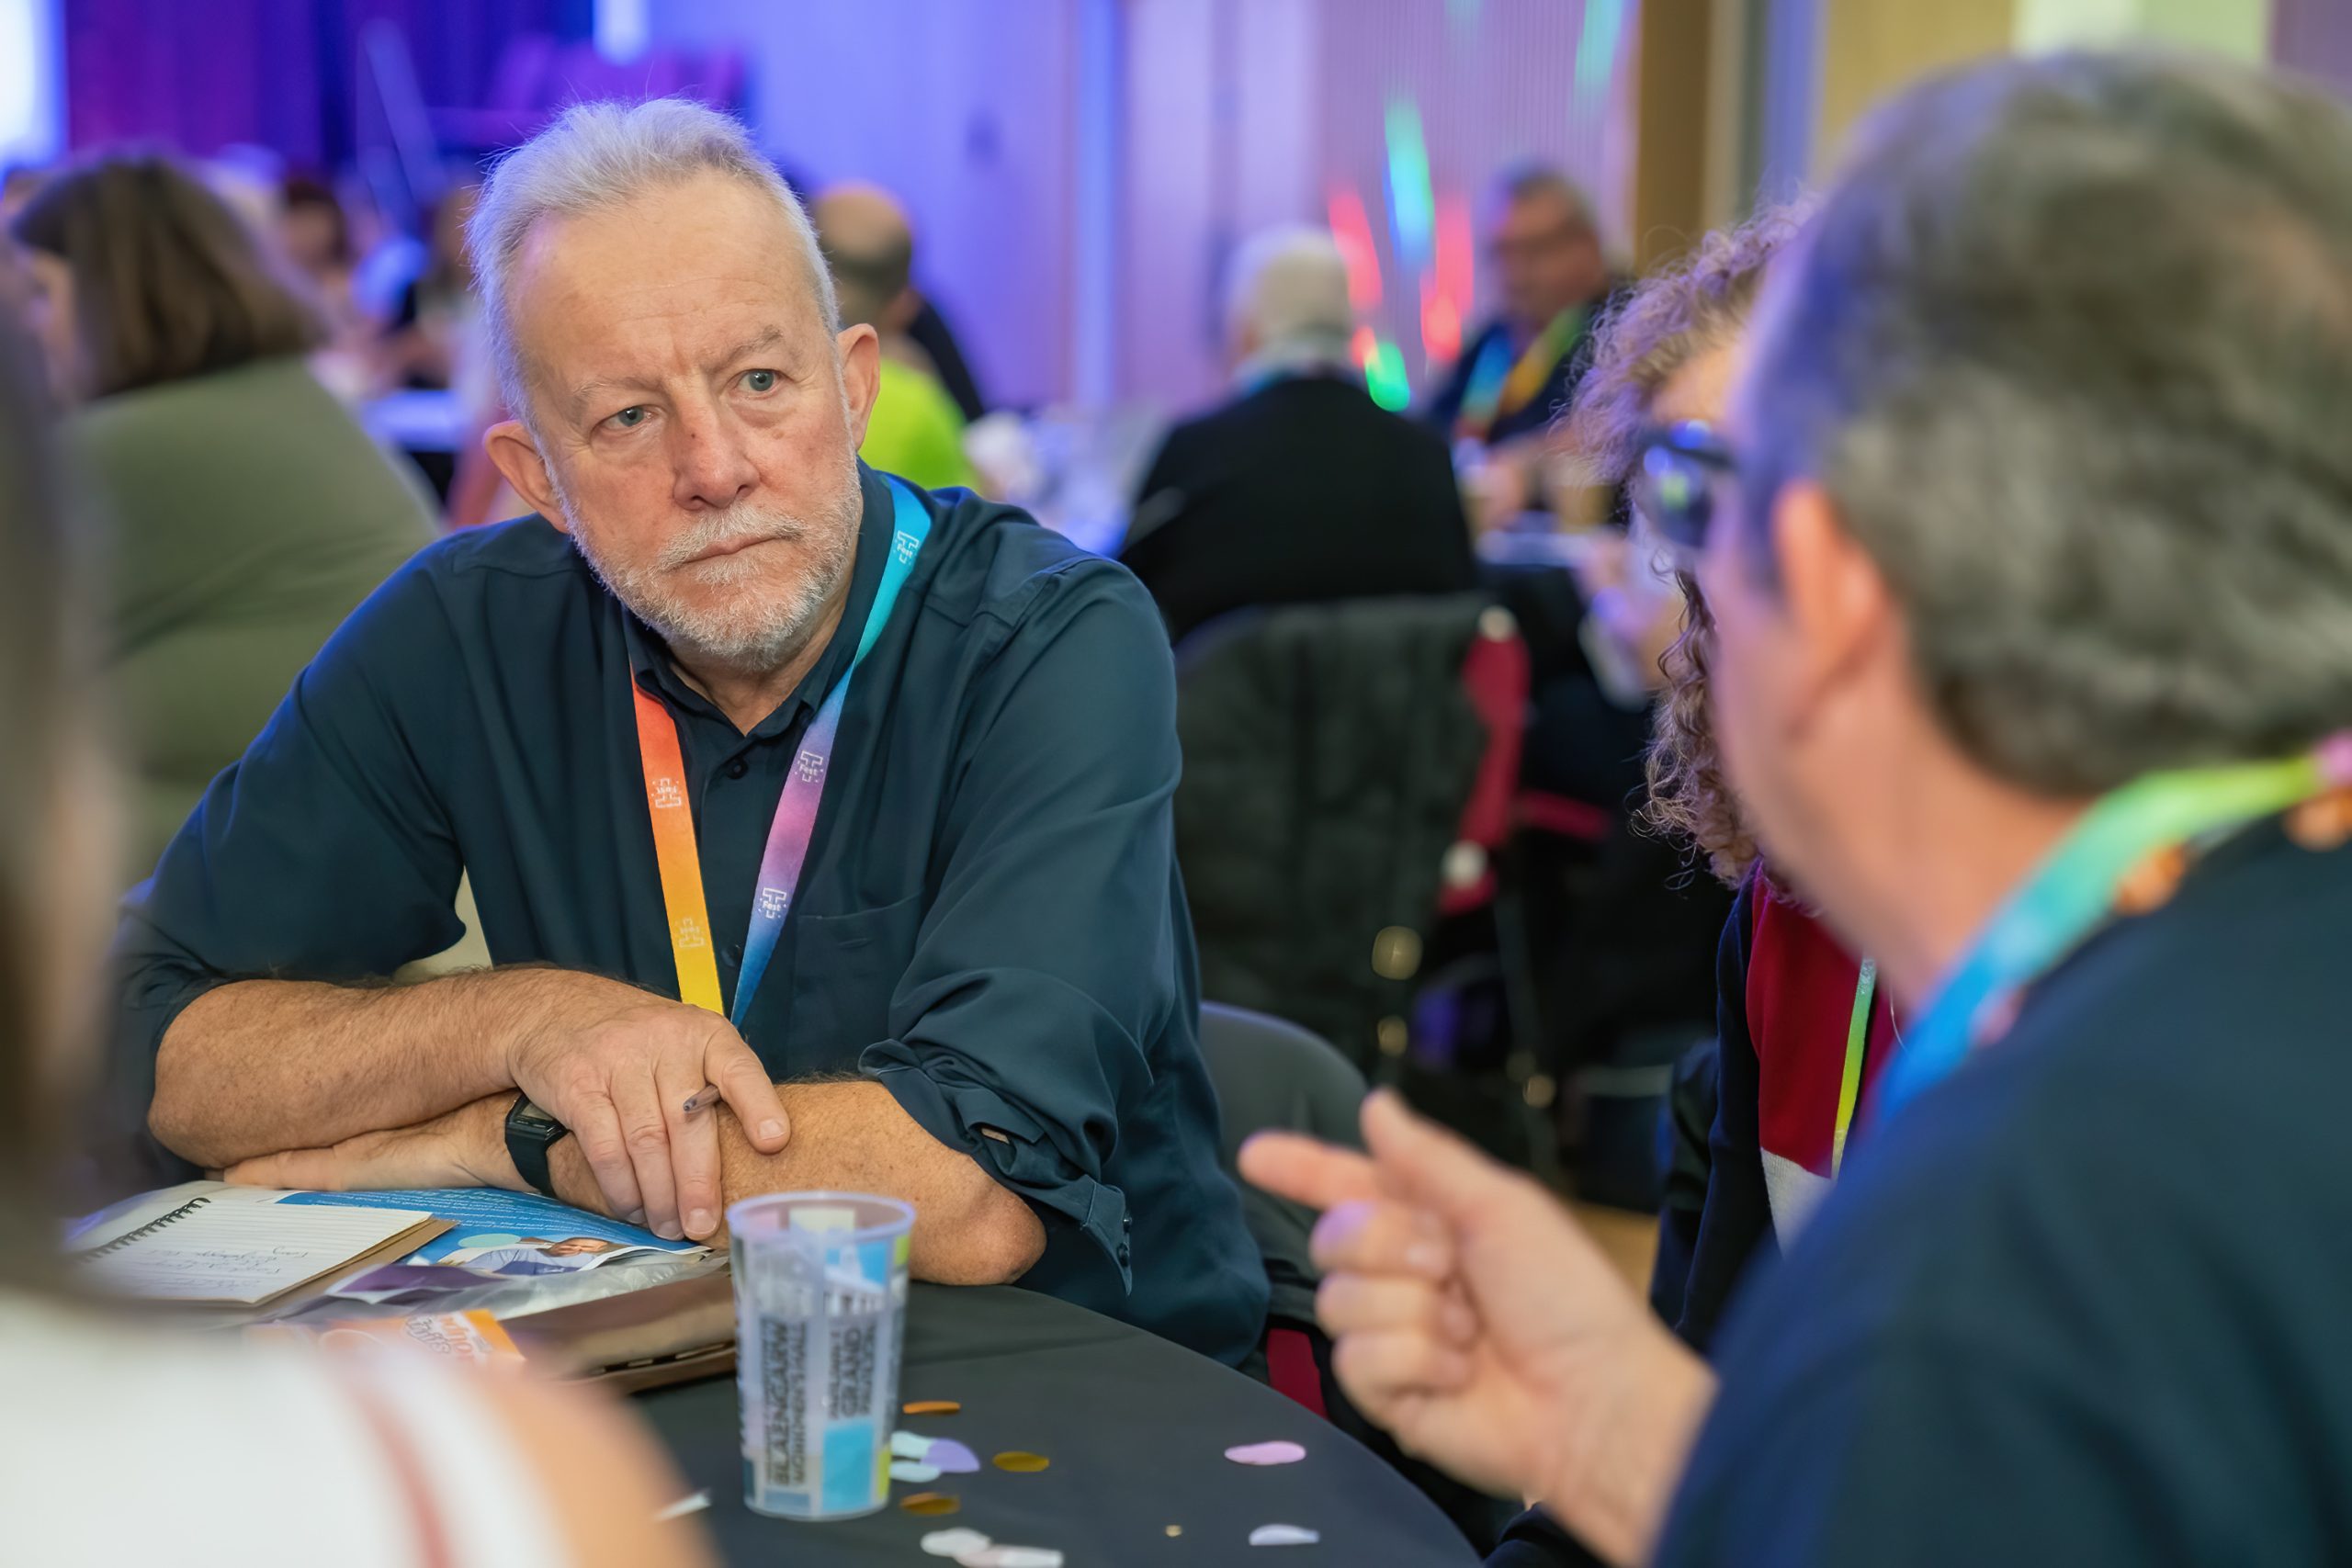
989	923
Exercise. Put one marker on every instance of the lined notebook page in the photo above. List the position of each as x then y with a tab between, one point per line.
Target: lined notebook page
210	1251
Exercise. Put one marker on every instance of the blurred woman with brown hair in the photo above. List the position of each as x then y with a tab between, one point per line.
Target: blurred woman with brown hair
1801	1030
226	1454
250	513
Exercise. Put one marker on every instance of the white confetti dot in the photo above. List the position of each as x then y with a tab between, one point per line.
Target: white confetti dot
911	1470
955	1542
1283	1535
1266	1454
906	1445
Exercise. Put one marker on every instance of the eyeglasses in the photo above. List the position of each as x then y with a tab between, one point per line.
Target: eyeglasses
1682	480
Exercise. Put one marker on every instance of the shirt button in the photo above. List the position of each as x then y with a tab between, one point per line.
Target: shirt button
737	769
1123	1252
735	953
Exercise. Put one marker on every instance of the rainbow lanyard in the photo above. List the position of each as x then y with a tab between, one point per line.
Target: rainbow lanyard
2074	889
795	809
1498	387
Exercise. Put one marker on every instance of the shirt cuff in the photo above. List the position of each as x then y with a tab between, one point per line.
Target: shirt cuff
1024	1159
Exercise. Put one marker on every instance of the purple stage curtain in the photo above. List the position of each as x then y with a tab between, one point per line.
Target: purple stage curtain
280	74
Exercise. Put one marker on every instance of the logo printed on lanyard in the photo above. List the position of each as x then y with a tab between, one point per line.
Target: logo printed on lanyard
674	848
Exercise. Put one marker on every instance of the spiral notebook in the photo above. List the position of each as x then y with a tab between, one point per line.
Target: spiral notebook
223	1248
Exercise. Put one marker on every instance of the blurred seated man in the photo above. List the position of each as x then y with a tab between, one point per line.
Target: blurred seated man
1301	488
1521	368
967	982
915	429
2069	755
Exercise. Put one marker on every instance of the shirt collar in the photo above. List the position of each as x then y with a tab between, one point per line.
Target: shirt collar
648	656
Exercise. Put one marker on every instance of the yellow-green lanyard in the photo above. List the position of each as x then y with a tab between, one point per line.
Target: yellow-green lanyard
1858	1044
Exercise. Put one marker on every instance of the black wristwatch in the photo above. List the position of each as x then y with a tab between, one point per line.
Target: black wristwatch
530	1133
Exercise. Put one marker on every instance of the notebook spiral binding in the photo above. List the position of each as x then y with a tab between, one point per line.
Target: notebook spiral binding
151	1226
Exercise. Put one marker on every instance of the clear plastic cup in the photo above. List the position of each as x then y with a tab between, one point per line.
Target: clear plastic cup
821	1313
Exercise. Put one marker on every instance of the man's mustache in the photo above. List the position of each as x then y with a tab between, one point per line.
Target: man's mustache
726	532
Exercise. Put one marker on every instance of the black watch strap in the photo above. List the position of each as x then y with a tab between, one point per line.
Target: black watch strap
530	1133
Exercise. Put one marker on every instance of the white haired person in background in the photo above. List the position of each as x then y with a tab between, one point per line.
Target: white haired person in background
1300	488
122	1442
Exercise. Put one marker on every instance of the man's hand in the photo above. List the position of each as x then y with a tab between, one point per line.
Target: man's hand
1473	1319
465	1147
617	1066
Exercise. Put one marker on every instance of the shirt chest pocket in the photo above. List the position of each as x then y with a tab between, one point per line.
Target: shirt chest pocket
844	969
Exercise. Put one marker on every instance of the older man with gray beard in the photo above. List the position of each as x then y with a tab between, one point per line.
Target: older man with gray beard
2029	549
771	774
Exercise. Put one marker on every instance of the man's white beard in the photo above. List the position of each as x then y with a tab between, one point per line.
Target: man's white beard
752	631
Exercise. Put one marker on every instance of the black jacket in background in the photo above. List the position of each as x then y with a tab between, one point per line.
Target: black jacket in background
1303	490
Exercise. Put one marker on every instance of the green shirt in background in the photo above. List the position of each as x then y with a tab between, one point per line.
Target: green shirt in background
916	431
248	515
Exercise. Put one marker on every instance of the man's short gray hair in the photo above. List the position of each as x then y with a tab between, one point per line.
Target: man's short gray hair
1290	287
597	156
2069	345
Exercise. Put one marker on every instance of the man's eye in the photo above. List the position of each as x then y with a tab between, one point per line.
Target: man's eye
760	380
630	417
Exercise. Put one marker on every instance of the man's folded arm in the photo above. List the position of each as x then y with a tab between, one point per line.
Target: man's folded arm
323	854
1051	956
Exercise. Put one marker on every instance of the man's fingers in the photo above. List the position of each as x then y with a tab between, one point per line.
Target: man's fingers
645	1133
692	1144
1382	1365
1359	1303
1380	1237
1431	1166
1307	1171
598	1129
732	1066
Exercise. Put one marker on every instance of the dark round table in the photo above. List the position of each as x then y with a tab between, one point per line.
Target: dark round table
1136	1429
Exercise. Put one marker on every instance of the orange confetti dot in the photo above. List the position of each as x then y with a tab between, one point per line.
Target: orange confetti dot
930	1407
2149	885
929	1503
2324	822
1021	1463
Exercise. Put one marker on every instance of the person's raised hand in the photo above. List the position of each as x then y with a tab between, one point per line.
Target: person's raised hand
618	1067
1473	1318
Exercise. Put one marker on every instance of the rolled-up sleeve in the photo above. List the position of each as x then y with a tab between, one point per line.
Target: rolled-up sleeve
321	854
1051	955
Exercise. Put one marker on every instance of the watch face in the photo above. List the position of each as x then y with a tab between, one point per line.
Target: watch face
530	1118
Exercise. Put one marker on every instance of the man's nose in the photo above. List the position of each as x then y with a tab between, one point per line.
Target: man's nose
713	468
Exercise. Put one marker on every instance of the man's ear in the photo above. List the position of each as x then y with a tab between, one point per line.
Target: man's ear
861	352
1835	598
516	454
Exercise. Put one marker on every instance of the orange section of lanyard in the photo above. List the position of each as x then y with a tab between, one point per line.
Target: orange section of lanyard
673	850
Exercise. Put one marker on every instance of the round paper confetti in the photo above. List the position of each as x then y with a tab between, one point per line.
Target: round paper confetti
955	1543
909	1445
1175	1530
952	1457
929	1503
1283	1535
1021	1463
930	1407
1266	1454
912	1470
1012	1557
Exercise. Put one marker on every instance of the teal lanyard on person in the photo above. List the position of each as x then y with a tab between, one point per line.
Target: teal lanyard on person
2073	891
795	824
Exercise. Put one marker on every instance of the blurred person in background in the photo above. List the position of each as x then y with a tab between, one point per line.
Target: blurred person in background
1521	368
1300	488
248	511
19	186
246	1456
915	431
1803	1031
312	234
2029	554
433	321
